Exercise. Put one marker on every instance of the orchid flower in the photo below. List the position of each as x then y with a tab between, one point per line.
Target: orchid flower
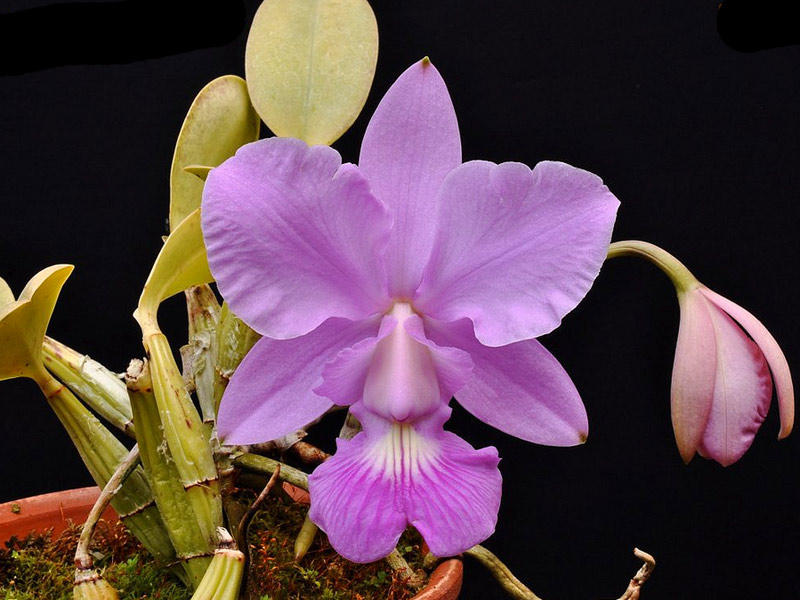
725	364
390	286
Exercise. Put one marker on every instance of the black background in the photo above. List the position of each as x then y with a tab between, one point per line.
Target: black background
697	138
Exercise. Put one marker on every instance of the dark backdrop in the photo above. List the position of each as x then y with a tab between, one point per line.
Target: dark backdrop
698	139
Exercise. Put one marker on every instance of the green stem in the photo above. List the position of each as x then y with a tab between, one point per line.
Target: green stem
83	560
267	466
203	312
101	452
234	340
191	543
510	584
98	387
186	437
678	273
223	579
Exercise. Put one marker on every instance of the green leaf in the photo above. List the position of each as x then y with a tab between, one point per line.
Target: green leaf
199	171
6	295
181	264
220	120
310	64
23	323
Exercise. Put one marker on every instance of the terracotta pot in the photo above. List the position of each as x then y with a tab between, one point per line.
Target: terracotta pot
57	509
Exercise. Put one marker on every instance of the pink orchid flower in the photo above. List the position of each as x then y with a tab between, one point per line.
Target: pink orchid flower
390	286
721	382
725	364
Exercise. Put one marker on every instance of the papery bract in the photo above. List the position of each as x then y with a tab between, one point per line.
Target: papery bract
390	286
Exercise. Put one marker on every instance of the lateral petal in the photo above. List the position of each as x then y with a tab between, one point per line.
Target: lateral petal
411	143
294	237
516	249
343	377
270	393
520	389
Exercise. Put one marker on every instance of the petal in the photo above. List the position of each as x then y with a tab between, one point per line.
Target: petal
293	236
453	365
693	373
520	389
271	394
516	249
393	473
772	352
411	144
343	378
742	392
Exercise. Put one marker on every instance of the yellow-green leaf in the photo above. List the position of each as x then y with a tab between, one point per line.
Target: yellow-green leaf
310	64
23	323
181	264
6	295
199	171
220	120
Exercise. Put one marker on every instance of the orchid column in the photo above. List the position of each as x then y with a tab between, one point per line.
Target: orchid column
390	286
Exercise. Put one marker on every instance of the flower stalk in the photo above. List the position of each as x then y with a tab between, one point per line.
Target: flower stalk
502	574
680	276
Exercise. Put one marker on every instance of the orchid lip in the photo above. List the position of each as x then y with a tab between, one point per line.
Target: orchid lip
402	453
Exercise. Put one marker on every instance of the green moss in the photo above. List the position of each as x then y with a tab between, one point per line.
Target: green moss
322	573
39	567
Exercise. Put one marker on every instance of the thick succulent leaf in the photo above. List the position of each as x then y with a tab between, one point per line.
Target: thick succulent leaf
310	64
199	171
181	264
220	120
23	323
6	295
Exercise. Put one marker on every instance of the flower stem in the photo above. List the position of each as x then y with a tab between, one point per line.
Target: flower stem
510	584
677	272
267	466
